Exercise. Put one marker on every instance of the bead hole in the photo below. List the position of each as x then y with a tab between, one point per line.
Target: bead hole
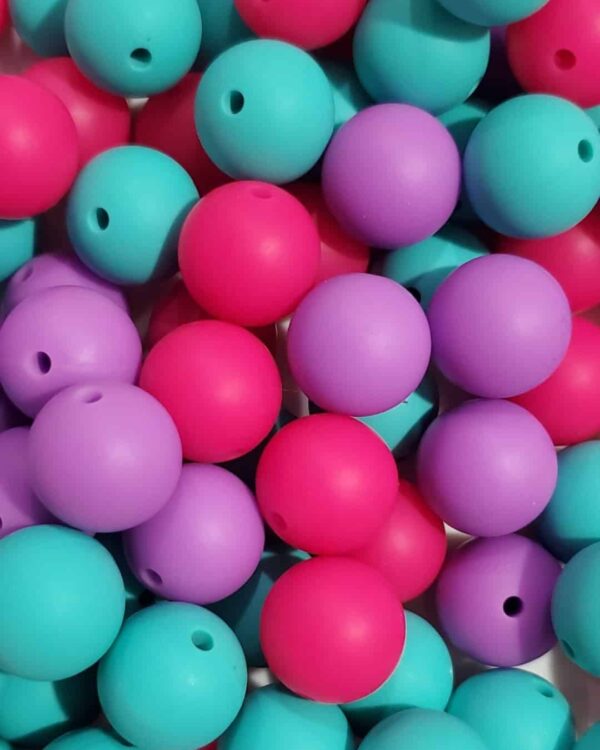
565	59
25	274
202	640
513	606
91	397
102	219
568	649
141	57
236	102
585	151
152	578
545	690
260	192
44	363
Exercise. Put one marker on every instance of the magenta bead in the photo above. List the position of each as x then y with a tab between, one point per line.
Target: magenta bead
19	507
54	269
493	600
391	175
500	325
204	544
487	468
358	344
104	456
61	337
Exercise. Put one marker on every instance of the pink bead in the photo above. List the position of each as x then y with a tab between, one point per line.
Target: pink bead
3	14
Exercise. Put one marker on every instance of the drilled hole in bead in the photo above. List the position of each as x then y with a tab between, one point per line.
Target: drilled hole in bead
141	57
102	219
585	151
261	192
43	362
568	649
513	606
565	59
235	102
415	292
278	522
151	577
202	640
25	273
91	397
545	690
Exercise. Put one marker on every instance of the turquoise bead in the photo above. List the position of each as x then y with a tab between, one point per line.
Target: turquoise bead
492	12
349	97
41	25
89	739
264	111
594	113
423	679
222	27
17	239
590	740
402	426
4	745
136	596
517	151
175	678
61	602
125	213
510	708
273	719
571	521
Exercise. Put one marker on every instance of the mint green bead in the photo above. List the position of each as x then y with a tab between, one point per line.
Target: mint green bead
274	719
93	738
590	740
423	678
175	678
61	602
33	712
349	97
511	708
125	213
222	27
41	25
17	240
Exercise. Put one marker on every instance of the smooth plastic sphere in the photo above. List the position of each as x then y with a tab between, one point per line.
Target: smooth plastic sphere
92	738
358	344
184	691
513	708
17	240
39	146
222	27
123	240
349	97
54	622
128	48
41	25
423	678
410	547
590	739
104	456
492	13
594	113
220	376
62	336
500	325
256	99
414	51
249	253
494	597
517	150
335	612
272	718
326	484
103	121
10	416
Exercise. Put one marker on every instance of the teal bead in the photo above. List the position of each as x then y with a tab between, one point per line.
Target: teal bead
590	740
415	52
17	239
41	25
242	610
402	426
125	213
422	729
594	113
349	97
136	596
175	678
33	712
93	738
492	12
133	48
4	745
422	267
264	111
222	27
273	719
517	151
61	602
571	521
575	611
510	708
423	678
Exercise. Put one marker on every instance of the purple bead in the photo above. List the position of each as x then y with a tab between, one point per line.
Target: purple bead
358	344
493	599
19	507
104	456
500	325
10	416
391	175
204	544
487	467
54	269
61	337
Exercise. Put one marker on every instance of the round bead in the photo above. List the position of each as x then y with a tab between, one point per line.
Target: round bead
349	97
336	612
414	51
136	596
54	623
590	739
92	738
17	240
77	470
222	27
500	325
184	691
257	98
126	241
326	483
492	13
493	600
10	416
517	150
391	175
41	25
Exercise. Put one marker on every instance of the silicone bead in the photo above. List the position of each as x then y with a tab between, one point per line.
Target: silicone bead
4	18
41	25
222	27
491	13
590	739
16	245
92	738
349	97
136	596
10	416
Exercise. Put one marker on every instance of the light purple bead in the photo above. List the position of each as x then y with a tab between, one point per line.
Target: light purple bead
19	507
64	336
54	269
104	456
10	416
487	467
204	544
493	599
391	175
358	344
500	325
